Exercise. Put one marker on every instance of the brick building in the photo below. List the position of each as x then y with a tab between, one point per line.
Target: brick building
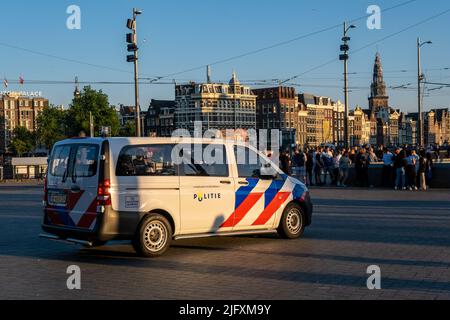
18	110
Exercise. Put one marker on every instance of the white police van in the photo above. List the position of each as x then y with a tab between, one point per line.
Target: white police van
155	190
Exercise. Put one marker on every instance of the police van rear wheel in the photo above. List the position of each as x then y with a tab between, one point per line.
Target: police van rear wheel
292	224
153	236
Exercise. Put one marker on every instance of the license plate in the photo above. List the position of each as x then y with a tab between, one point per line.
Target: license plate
57	199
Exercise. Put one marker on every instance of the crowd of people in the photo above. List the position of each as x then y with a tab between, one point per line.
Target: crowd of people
403	168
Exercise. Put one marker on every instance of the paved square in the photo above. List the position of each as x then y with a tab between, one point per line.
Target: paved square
406	234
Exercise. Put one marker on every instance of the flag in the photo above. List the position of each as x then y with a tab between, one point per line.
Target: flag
21	80
5	83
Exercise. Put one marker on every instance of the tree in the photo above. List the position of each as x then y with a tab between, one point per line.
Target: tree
23	141
96	102
50	127
129	130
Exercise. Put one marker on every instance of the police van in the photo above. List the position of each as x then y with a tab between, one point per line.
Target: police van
152	191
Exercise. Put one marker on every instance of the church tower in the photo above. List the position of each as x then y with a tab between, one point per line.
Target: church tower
378	99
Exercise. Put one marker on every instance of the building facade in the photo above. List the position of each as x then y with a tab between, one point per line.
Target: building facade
218	106
18	111
338	123
437	127
128	114
320	120
278	108
160	119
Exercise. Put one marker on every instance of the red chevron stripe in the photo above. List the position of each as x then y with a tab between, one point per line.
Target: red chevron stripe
89	216
273	207
72	200
242	210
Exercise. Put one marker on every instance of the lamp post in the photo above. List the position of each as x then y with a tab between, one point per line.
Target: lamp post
132	47
420	77
344	57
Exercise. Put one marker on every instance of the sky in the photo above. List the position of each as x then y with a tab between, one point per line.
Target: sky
176	35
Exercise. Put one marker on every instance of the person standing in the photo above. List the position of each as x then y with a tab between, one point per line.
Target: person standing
411	162
336	173
344	167
361	166
285	162
327	158
388	162
399	166
422	171
310	167
319	167
429	170
298	163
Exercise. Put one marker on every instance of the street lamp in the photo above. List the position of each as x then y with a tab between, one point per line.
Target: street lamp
132	47
344	57
420	78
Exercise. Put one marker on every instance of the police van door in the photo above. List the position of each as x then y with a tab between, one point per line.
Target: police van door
206	189
258	198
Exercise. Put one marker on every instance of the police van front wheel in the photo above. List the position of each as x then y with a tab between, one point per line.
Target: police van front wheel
153	236
292	224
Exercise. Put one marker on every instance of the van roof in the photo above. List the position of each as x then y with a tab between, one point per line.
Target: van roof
134	140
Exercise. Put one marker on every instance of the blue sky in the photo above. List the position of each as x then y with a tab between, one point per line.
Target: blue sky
180	35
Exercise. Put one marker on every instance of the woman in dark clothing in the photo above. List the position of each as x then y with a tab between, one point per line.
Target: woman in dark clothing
428	169
285	162
319	168
310	167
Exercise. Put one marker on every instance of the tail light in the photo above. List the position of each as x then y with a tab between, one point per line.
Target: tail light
103	193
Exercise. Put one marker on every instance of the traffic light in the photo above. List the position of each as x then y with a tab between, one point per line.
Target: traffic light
130	24
131	58
131	41
130	38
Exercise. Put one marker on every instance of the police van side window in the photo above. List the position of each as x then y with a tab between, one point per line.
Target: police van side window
146	160
60	161
204	161
248	162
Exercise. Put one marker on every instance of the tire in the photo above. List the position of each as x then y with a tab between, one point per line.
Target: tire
153	237
292	224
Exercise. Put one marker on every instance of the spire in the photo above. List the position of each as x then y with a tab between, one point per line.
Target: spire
378	69
378	85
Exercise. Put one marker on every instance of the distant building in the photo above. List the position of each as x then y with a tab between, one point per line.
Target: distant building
384	119
320	119
128	114
338	123
278	108
218	106
437	127
18	111
407	129
160	119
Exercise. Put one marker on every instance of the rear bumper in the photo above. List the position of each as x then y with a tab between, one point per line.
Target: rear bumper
110	225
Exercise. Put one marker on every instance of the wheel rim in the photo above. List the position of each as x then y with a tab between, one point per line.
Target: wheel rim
155	236
294	221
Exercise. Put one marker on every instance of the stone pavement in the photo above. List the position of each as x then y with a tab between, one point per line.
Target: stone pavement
406	234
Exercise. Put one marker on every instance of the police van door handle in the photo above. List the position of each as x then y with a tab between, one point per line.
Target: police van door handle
75	189
244	183
225	182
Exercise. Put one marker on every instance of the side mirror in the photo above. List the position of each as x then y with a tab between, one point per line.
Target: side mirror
268	172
